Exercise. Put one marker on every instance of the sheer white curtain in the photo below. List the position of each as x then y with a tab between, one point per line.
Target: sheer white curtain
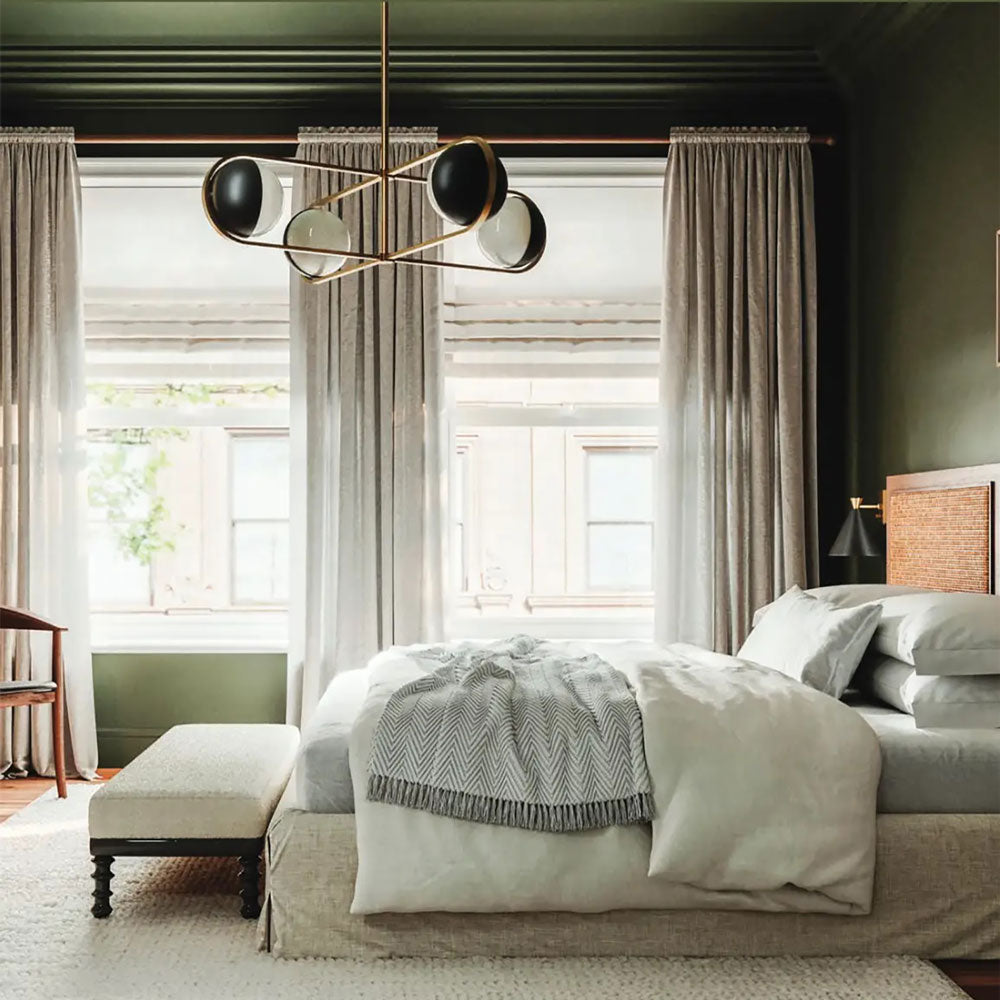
737	501
368	490
43	565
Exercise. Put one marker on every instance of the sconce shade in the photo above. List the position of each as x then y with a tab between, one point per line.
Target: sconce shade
320	228
856	538
515	236
245	198
459	182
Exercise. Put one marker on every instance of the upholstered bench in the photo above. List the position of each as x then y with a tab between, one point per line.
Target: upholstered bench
198	791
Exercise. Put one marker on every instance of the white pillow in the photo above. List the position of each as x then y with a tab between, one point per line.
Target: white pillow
934	702
850	595
811	640
942	634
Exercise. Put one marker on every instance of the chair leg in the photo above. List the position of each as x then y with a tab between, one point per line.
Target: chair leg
58	711
250	886
58	748
102	885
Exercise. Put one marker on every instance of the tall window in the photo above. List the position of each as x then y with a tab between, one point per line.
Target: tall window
552	389
187	377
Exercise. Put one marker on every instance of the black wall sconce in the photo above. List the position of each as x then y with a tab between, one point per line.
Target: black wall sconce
856	537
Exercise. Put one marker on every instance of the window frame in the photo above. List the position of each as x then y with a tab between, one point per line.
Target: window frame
466	445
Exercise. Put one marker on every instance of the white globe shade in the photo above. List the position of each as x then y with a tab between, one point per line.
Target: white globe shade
316	227
272	197
515	235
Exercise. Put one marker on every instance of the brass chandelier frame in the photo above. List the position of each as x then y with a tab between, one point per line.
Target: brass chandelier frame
380	178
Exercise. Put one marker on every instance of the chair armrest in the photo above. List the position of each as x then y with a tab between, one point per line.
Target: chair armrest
16	618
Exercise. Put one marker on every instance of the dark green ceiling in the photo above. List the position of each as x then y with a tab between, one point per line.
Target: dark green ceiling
418	22
562	65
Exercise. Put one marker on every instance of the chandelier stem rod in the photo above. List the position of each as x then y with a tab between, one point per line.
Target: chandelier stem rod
384	185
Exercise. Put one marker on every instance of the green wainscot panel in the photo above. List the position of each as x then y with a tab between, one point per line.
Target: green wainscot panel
138	696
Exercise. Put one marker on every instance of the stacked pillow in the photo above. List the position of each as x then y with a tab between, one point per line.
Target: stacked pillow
812	640
932	654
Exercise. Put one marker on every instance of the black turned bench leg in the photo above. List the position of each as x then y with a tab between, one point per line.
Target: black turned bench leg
102	885
250	886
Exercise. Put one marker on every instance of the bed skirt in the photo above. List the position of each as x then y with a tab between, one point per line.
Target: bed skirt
937	895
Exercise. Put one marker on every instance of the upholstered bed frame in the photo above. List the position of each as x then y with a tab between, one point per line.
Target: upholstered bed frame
937	879
936	895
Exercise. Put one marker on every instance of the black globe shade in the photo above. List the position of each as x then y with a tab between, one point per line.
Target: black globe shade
244	199
515	236
459	184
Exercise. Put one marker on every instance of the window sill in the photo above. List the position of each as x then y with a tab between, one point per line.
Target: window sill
638	627
638	602
230	631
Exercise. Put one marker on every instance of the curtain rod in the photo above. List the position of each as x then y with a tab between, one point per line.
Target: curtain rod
292	140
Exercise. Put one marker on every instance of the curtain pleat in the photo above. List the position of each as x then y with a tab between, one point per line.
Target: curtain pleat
736	484
367	419
43	560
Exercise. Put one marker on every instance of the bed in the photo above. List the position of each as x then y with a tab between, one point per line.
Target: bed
937	885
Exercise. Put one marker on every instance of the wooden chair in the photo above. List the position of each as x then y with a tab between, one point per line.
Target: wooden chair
14	693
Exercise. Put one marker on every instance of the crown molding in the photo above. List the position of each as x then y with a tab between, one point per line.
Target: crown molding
37	78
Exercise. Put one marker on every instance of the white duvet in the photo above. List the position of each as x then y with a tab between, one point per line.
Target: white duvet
763	788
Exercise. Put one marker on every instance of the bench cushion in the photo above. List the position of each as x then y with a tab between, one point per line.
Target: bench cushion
198	781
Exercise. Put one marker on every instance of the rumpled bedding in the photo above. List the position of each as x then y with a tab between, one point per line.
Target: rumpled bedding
763	798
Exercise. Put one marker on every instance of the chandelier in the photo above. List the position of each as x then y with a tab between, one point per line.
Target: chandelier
466	186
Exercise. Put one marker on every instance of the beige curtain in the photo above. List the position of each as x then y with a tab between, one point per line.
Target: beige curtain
367	415
42	444
736	511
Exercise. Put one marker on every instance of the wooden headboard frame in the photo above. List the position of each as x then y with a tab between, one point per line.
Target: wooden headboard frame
942	530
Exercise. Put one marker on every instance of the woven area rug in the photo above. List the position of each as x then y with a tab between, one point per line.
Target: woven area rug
175	934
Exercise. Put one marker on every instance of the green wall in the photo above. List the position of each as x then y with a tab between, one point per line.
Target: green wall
138	696
927	133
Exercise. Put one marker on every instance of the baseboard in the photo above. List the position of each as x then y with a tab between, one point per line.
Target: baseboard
115	732
118	745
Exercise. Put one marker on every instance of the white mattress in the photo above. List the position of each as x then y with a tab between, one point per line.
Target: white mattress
923	770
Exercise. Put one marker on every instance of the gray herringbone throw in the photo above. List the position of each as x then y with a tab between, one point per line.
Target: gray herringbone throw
514	733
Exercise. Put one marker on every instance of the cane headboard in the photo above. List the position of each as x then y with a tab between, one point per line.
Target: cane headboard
941	529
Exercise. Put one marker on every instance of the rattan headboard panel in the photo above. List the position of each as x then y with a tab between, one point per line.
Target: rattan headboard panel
942	530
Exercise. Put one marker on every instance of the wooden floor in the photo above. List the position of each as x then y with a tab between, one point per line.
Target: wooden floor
981	980
16	793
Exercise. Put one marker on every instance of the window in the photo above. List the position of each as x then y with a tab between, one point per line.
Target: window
550	376
258	500
187	377
121	515
552	390
459	501
188	490
620	519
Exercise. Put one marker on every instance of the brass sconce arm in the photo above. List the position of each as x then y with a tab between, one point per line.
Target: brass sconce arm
857	503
